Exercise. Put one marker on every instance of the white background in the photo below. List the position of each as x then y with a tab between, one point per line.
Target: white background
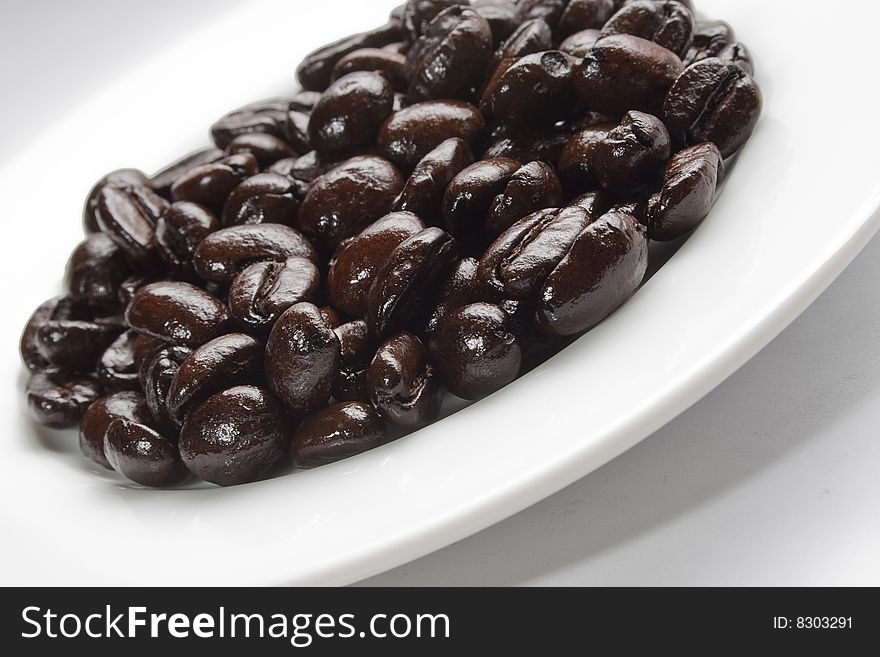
771	479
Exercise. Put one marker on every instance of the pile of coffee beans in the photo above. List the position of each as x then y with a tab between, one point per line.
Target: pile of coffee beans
447	201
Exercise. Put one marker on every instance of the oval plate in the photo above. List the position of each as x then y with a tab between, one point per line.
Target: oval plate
799	205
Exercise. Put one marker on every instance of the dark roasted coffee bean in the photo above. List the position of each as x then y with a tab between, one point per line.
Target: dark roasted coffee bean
625	72
264	116
266	198
28	345
305	168
267	149
471	193
459	289
418	14
121	178
210	184
580	43
401	383
74	346
595	203
531	187
687	192
331	316
411	133
475	351
158	377
503	16
631	155
297	131
667	23
94	271
145	347
222	254
116	366
350	113
178	313
713	100
356	349
536	87
129	287
710	38
234	437
162	180
180	230
549	10
316	69
59	401
348	198
143	455
354	268
335	433
264	290
232	359
530	37
586	14
403	289
128	216
302	358
95	421
423	192
449	59
739	55
392	65
530	142
304	101
576	160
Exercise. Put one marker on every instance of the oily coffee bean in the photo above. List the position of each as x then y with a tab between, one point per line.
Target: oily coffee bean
158	376
266	198
739	55
296	131
624	72
145	347
234	358
710	38
632	154
222	254
179	231
28	346
576	159
350	113
264	116
130	286
536	87
354	268
713	100
448	60
267	149
526	143
234	437
95	421
667	23
210	184
687	192
348	198
335	433
580	43
128	216
459	289
116	366
94	271
309	167
549	10
74	345
410	134
423	192
471	193
178	313
401	383
586	14
302	358
59	401
475	351
531	187
143	455
503	16
595	203
121	178
162	180
418	14
330	316
304	101
392	65
356	349
401	294
264	290
530	37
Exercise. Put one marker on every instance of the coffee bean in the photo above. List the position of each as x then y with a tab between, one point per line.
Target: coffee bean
129	405
356	349
158	376
145	347
264	116
267	149
162	180
179	231
391	65
530	37
28	344
296	130
631	155
460	288
128	216
586	14
549	10
470	195
266	198
423	192
536	87
94	271
116	367
304	101
503	16
335	433
577	158
178	313
58	401
74	346
531	187
580	43
143	455
122	179
710	38
667	23
418	14
210	184
401	382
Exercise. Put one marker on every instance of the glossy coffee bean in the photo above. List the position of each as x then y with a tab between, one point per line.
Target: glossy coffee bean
713	100
410	134
667	23
356	349
145	347
585	14
348	198
94	271
304	101
302	358
331	316
460	288
503	16
580	43
549	10
264	290
129	405
423	192
354	268
392	65
264	116
536	87
221	255
335	433
296	131
59	401
632	154
401	382
687	192
266	198
305	168
603	268
234	437
162	180
402	292
128	216
158	375
116	366
530	37
179	231
418	14
350	113
531	187
210	184
141	454
130	286
595	203
526	143
576	159
267	149
122	179
28	347
475	351
710	38
231	359
471	193
738	54
178	313
625	72
74	345
448	60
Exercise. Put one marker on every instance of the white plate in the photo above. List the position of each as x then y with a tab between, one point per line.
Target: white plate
799	205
